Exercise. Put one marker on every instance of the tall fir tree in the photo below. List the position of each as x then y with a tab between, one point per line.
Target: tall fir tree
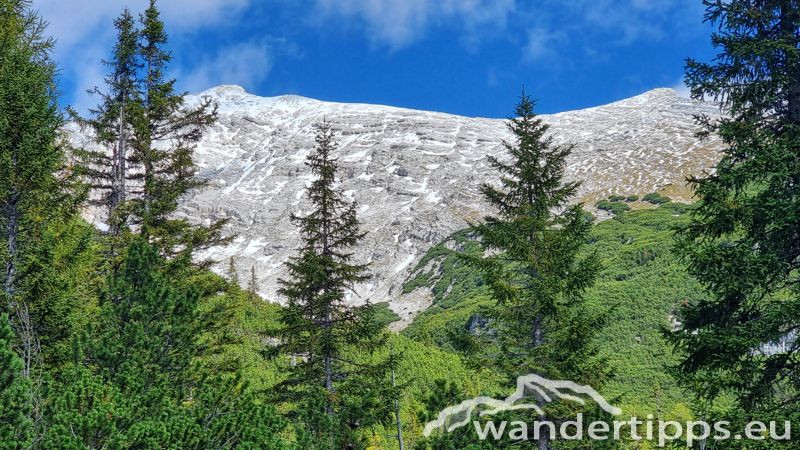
109	168
37	193
148	134
340	389
536	269
743	243
252	285
166	132
233	275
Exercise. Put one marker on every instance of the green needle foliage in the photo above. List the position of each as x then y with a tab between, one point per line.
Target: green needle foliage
534	269
220	414
330	341
743	243
38	193
137	385
148	331
446	394
536	273
148	135
165	131
15	401
109	169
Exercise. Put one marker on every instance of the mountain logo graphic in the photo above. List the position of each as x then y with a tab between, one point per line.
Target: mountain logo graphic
528	386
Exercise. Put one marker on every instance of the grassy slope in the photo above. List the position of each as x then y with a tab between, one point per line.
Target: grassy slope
640	276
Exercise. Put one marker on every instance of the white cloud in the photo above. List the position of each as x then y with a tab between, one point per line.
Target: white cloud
399	23
546	25
246	64
639	19
616	22
85	32
77	22
540	44
88	72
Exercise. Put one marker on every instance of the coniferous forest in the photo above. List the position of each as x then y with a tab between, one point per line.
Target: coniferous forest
122	337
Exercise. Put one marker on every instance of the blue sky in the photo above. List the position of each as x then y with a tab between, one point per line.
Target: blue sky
467	57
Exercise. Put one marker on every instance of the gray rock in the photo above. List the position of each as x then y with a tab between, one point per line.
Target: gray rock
414	174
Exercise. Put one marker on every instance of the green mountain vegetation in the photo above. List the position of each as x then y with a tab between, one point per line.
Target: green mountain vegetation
641	279
122	338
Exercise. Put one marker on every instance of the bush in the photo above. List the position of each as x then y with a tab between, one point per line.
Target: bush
615	207
616	198
651	196
656	198
605	205
383	315
662	199
619	207
632	198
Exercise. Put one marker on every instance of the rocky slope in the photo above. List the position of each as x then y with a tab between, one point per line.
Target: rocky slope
415	174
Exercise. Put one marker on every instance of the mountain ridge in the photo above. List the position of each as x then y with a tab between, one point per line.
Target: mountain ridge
414	174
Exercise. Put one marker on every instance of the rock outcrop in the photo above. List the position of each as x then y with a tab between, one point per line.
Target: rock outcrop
415	174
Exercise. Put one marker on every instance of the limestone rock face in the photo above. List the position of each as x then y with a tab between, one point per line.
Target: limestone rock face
415	174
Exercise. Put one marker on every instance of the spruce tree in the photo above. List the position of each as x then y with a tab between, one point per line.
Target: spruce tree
233	276
166	131
743	243
340	390
37	190
109	168
536	269
148	134
252	285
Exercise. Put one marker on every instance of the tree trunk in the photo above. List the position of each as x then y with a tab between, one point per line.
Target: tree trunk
538	341
118	170
787	26
11	242
328	362
29	348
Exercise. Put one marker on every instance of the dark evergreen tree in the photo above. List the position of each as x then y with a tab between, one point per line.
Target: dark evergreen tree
233	276
109	168
252	285
537	270
148	331
443	395
37	193
87	413
220	414
166	131
30	158
148	135
15	401
743	243
340	389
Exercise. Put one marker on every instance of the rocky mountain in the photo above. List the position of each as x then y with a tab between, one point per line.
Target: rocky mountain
414	174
